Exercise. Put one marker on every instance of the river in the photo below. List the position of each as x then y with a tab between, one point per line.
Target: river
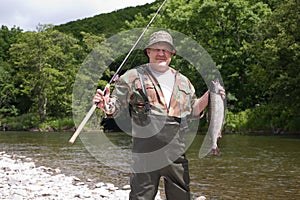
250	166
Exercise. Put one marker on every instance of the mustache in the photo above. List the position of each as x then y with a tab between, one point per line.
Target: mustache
160	57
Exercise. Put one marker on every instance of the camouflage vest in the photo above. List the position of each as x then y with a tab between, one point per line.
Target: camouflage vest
129	88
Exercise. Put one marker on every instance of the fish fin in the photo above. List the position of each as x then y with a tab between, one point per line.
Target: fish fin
220	134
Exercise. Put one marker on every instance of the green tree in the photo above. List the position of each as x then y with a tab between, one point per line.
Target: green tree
225	29
277	70
7	90
44	69
7	37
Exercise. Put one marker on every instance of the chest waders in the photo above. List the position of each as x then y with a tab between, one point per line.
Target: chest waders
170	163
174	166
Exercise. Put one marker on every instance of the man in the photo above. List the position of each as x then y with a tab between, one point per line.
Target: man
160	99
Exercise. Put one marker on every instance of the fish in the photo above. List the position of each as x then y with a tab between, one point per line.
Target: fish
216	118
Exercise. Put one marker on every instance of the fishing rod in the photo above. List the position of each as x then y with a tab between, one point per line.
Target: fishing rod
93	108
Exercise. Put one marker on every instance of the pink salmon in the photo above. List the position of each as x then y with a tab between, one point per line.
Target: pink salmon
216	117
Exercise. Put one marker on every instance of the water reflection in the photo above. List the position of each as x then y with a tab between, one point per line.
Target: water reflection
250	167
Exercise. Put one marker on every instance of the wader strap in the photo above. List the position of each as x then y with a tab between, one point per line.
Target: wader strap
143	91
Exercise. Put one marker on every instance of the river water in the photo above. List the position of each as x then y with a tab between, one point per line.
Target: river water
250	166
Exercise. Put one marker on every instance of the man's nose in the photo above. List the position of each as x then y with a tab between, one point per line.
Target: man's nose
161	51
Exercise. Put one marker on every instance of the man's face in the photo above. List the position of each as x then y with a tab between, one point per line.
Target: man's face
160	53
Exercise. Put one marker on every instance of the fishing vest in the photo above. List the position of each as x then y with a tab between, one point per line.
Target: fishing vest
141	91
145	81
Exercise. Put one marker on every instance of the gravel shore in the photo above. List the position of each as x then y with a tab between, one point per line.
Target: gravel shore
21	179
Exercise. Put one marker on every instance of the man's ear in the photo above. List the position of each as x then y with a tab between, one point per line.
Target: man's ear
173	53
147	51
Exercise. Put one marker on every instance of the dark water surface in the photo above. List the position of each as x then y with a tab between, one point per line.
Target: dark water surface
250	167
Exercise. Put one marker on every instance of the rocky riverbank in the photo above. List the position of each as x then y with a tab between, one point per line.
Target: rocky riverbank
21	179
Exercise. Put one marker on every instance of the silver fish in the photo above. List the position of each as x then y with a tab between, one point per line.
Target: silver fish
216	120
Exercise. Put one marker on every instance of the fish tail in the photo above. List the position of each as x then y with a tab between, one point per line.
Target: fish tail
215	151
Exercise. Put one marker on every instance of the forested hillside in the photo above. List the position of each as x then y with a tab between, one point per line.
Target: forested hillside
255	44
107	24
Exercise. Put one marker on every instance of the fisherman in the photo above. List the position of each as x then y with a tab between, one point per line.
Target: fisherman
160	99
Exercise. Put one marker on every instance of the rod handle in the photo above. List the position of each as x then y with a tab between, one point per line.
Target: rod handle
82	124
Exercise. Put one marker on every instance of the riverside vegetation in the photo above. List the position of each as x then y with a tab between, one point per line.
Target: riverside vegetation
255	44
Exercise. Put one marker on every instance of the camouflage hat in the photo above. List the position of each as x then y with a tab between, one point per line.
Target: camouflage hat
160	36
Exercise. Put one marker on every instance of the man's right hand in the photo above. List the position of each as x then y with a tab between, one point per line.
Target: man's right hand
102	98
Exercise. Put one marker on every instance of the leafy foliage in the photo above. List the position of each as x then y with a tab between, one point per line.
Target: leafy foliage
44	71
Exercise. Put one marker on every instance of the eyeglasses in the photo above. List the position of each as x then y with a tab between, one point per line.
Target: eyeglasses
157	50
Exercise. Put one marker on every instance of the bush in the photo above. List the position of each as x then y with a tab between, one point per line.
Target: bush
294	125
57	124
236	122
21	123
267	118
30	121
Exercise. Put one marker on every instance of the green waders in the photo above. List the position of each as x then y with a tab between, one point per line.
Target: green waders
158	151
144	184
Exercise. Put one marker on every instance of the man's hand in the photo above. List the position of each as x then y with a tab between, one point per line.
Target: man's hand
101	99
222	92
